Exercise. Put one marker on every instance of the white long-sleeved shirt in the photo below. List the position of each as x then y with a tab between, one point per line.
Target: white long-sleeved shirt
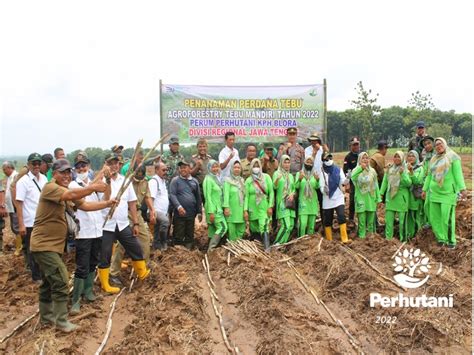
90	222
120	217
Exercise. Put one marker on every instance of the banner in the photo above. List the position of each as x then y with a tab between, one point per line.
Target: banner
253	113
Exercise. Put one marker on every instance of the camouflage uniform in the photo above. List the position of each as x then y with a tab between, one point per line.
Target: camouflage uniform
171	160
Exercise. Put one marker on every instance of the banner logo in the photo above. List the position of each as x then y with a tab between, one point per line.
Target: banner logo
411	266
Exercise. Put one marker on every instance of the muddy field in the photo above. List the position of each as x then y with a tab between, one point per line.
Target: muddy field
308	297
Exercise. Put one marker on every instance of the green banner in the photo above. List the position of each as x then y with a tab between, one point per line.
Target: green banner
253	113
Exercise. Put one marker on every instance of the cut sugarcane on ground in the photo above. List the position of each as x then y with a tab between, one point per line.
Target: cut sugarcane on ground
263	303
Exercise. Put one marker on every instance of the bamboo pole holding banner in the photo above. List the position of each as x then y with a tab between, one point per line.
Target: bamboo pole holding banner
161	116
325	113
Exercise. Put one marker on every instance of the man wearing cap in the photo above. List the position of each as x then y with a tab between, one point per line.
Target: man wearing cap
269	163
172	157
251	155
28	190
228	155
88	241
117	227
350	163
10	172
199	162
293	149
186	203
46	164
140	186
49	237
415	141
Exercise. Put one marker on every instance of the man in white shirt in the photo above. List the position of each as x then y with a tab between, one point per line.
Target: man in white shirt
118	228
10	172
88	241
228	155
28	190
159	195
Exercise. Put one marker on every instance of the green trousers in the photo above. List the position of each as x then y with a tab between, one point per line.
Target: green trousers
366	223
259	225
236	230
286	227
389	222
443	222
219	227
426	211
54	276
307	222
414	222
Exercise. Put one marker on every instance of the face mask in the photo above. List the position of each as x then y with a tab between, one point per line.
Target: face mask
328	163
308	167
255	170
83	176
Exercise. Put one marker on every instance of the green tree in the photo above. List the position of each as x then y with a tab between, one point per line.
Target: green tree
367	111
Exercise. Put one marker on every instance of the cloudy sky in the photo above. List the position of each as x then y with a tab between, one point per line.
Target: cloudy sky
79	74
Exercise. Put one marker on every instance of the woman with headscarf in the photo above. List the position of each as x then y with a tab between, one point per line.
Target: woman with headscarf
367	194
258	202
234	195
395	185
212	190
443	183
427	153
285	203
332	181
415	203
307	184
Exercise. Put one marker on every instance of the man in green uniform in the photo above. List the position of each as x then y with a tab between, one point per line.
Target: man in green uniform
172	157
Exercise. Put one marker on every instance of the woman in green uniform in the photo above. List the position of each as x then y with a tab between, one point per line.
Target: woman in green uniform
234	195
367	194
415	203
284	184
258	202
427	153
396	184
212	190
307	184
443	183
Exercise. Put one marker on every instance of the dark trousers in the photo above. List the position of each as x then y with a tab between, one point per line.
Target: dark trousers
30	262
14	223
125	237
329	214
183	230
160	230
320	200
352	201
54	276
87	256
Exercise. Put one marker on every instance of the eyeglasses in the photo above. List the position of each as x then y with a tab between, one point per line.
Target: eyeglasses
36	163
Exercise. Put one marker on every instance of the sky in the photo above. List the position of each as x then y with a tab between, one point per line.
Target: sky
82	74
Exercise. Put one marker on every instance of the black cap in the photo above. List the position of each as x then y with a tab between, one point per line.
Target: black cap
34	157
426	138
183	162
116	147
112	156
382	144
420	124
47	158
61	165
173	140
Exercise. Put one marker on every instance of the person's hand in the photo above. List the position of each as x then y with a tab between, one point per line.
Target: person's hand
410	168
3	211
111	202
463	194
136	230
99	186
316	176
291	197
152	217
364	164
212	218
402	169
266	157
269	211
325	148
181	211
231	155
301	175
226	212
246	216
326	190
22	230
423	195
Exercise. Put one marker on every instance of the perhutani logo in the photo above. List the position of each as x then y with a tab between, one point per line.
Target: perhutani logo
412	268
409	264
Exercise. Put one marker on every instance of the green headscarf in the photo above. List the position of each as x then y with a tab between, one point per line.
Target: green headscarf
394	174
258	179
284	174
441	163
367	179
417	158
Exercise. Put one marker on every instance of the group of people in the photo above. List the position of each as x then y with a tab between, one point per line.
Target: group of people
267	196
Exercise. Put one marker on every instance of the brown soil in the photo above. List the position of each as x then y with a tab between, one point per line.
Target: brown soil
265	309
